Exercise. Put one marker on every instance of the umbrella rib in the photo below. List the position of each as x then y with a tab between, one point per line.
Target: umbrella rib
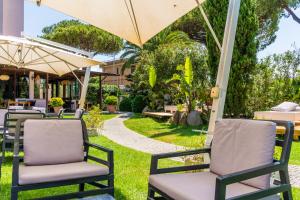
45	61
26	54
133	20
35	60
12	59
74	75
209	25
7	59
59	58
39	63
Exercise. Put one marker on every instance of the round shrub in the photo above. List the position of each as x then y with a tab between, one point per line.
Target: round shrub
125	105
138	104
111	100
56	102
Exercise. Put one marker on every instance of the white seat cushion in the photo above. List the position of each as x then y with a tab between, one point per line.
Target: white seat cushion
243	144
195	186
50	173
285	107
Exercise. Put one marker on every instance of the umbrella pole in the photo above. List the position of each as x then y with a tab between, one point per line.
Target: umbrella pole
84	87
224	67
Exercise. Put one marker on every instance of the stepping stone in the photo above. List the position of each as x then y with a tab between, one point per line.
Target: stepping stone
99	197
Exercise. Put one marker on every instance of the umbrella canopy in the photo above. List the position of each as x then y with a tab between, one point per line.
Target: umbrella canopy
23	53
134	20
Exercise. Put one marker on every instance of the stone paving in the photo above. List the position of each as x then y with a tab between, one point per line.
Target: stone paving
116	131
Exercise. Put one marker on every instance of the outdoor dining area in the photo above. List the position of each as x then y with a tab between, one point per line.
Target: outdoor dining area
51	151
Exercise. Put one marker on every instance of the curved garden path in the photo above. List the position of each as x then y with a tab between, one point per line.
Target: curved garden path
115	130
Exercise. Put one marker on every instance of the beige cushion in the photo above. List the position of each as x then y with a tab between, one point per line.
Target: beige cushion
52	142
2	116
78	113
49	173
242	144
195	186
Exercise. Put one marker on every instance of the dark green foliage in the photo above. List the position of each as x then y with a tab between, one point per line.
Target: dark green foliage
138	104
125	105
244	53
93	90
111	90
83	36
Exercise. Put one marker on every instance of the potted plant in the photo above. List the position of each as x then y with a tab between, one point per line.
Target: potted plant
111	103
56	103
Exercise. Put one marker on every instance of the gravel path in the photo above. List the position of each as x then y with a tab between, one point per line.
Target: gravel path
115	130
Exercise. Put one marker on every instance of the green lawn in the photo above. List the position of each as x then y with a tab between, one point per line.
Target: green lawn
166	132
104	116
131	174
183	136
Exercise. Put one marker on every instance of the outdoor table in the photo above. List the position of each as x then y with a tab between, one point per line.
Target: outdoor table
100	197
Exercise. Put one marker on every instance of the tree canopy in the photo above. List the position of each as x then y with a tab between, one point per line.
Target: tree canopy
83	36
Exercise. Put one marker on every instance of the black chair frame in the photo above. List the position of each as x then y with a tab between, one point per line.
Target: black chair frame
281	186
6	142
102	188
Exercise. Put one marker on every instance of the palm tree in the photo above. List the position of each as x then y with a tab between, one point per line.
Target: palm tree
133	53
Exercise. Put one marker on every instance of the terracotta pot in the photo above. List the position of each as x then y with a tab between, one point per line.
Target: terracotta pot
111	108
56	109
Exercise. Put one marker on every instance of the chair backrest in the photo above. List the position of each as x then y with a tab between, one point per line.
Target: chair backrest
53	141
11	119
243	144
15	107
40	103
2	116
79	113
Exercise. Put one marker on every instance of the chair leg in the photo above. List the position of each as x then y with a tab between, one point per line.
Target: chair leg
111	185
14	194
3	150
285	179
151	193
81	187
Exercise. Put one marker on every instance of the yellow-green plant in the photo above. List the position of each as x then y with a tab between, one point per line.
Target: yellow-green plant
183	82
152	76
56	102
93	119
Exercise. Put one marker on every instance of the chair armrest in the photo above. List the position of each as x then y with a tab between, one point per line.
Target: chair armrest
155	158
110	156
98	147
223	181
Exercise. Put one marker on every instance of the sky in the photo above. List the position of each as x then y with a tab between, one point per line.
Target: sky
36	18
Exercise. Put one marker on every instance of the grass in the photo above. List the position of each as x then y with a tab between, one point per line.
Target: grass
131	174
165	132
183	136
104	116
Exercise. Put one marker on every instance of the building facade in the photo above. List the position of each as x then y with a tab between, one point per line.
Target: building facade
115	67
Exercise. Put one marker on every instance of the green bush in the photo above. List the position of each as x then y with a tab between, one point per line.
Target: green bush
138	104
125	105
111	100
56	102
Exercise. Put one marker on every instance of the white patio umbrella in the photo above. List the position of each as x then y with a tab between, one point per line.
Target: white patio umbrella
23	53
134	20
138	21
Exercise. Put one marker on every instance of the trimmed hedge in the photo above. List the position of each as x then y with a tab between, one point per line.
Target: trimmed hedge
125	105
138	104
